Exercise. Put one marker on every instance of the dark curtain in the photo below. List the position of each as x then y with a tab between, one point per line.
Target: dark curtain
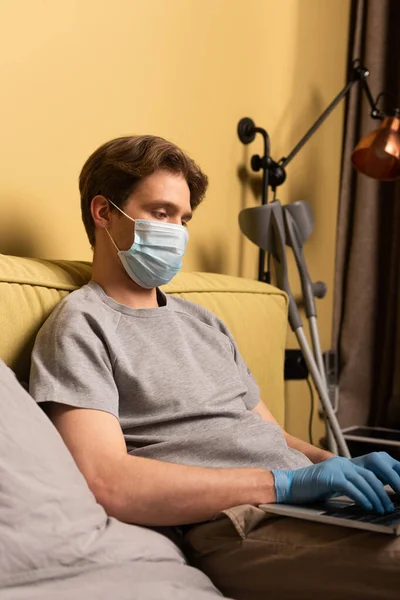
366	325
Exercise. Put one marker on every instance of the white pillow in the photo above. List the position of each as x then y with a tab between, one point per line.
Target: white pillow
53	534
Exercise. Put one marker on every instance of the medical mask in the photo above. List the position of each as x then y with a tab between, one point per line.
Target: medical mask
155	256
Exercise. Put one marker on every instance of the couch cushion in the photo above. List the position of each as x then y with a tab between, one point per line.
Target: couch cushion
256	314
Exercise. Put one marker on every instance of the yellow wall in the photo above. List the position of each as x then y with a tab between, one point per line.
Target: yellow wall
78	72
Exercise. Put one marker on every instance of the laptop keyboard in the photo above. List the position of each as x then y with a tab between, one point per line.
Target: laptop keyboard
356	513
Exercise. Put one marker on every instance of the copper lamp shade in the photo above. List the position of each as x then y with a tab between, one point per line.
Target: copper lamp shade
377	155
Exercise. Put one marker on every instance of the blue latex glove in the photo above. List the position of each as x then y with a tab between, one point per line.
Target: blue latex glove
383	465
332	476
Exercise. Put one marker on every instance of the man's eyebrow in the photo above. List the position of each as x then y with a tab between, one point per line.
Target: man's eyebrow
167	203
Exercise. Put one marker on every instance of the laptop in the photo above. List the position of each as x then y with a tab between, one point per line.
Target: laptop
342	511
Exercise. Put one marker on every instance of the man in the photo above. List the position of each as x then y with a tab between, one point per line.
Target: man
153	399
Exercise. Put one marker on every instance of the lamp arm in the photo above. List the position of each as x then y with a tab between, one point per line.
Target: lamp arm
262	274
375	112
359	75
265	179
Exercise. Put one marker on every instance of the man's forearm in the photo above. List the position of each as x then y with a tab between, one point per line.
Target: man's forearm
155	493
316	455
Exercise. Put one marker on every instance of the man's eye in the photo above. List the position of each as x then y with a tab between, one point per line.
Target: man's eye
159	215
184	224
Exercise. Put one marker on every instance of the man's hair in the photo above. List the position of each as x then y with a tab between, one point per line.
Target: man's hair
116	168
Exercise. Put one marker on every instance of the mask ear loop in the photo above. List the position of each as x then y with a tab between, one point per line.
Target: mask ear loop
109	235
120	210
125	215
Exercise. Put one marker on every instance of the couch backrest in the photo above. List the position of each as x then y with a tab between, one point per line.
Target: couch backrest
255	313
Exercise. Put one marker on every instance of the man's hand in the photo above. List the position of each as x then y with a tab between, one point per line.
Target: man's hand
335	475
383	466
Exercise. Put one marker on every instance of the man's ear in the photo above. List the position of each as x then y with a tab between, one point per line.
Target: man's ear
101	212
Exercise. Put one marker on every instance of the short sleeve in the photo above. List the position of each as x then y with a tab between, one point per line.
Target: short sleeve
72	365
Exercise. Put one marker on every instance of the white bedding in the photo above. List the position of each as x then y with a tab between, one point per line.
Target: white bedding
56	542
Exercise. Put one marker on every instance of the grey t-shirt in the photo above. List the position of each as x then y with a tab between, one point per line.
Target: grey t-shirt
172	375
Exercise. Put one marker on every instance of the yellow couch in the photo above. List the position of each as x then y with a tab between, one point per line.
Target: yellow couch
255	313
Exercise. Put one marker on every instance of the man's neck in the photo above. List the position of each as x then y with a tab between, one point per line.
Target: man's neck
117	284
